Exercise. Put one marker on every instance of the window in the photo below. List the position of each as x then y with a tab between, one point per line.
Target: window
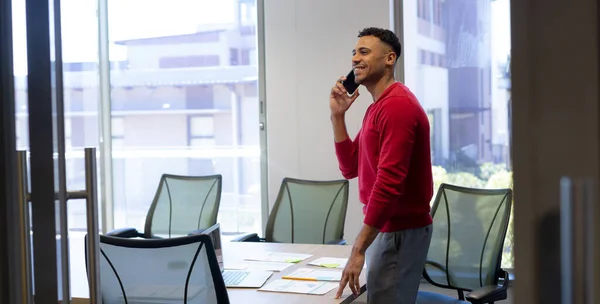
234	56
430	10
118	132
431	58
437	20
79	66
188	61
174	106
246	56
467	95
239	56
68	132
248	13
201	136
202	127
434	116
422	57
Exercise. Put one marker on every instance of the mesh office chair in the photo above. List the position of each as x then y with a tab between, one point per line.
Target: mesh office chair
469	227
175	270
181	205
307	212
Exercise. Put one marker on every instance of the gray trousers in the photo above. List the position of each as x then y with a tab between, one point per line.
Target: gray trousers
395	262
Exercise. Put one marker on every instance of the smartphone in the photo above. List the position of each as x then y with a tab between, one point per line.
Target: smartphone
349	83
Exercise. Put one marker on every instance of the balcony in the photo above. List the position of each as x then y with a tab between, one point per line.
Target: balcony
158	77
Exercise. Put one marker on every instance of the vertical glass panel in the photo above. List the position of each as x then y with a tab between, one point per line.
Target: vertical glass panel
457	63
184	88
81	97
20	72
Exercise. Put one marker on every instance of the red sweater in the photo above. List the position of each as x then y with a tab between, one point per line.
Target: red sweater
392	159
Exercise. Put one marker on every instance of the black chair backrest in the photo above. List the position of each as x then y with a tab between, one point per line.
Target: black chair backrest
172	270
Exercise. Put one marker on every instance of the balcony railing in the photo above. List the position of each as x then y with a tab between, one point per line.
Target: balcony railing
158	77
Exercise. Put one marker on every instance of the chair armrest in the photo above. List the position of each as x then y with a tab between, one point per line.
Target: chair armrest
248	237
125	233
337	242
195	232
489	293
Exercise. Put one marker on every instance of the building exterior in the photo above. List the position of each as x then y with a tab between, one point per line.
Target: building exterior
448	64
182	104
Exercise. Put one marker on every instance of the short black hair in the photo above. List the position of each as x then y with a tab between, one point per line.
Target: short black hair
385	35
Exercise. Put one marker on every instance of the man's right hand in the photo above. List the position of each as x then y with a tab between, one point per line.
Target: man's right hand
339	100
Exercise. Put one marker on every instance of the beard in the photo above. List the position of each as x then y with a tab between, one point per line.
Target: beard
373	76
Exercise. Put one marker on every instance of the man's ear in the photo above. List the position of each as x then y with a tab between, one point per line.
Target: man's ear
390	58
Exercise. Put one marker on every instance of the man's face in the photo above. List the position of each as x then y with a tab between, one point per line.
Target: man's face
370	58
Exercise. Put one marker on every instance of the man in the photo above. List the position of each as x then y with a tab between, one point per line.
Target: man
391	158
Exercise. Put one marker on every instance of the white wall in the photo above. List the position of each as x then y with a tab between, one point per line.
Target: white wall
308	46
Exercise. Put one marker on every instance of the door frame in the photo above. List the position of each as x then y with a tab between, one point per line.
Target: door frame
14	279
41	105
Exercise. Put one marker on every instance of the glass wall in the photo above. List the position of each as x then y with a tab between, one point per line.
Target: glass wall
183	98
457	63
184	101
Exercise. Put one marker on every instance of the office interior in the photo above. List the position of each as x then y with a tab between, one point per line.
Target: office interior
239	88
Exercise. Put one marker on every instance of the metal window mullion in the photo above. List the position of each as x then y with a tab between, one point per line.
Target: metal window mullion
262	93
57	82
397	25
105	115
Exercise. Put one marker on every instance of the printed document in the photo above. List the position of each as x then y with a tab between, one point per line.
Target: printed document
313	274
329	262
339	263
280	257
256	265
303	287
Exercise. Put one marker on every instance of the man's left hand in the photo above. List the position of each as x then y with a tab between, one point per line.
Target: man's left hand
351	274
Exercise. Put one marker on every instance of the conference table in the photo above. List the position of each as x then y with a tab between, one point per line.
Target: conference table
235	252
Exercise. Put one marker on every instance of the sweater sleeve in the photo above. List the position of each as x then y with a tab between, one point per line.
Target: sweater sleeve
347	155
397	124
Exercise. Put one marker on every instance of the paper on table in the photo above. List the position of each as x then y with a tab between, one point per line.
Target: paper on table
304	287
339	263
329	262
256	265
312	274
281	257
